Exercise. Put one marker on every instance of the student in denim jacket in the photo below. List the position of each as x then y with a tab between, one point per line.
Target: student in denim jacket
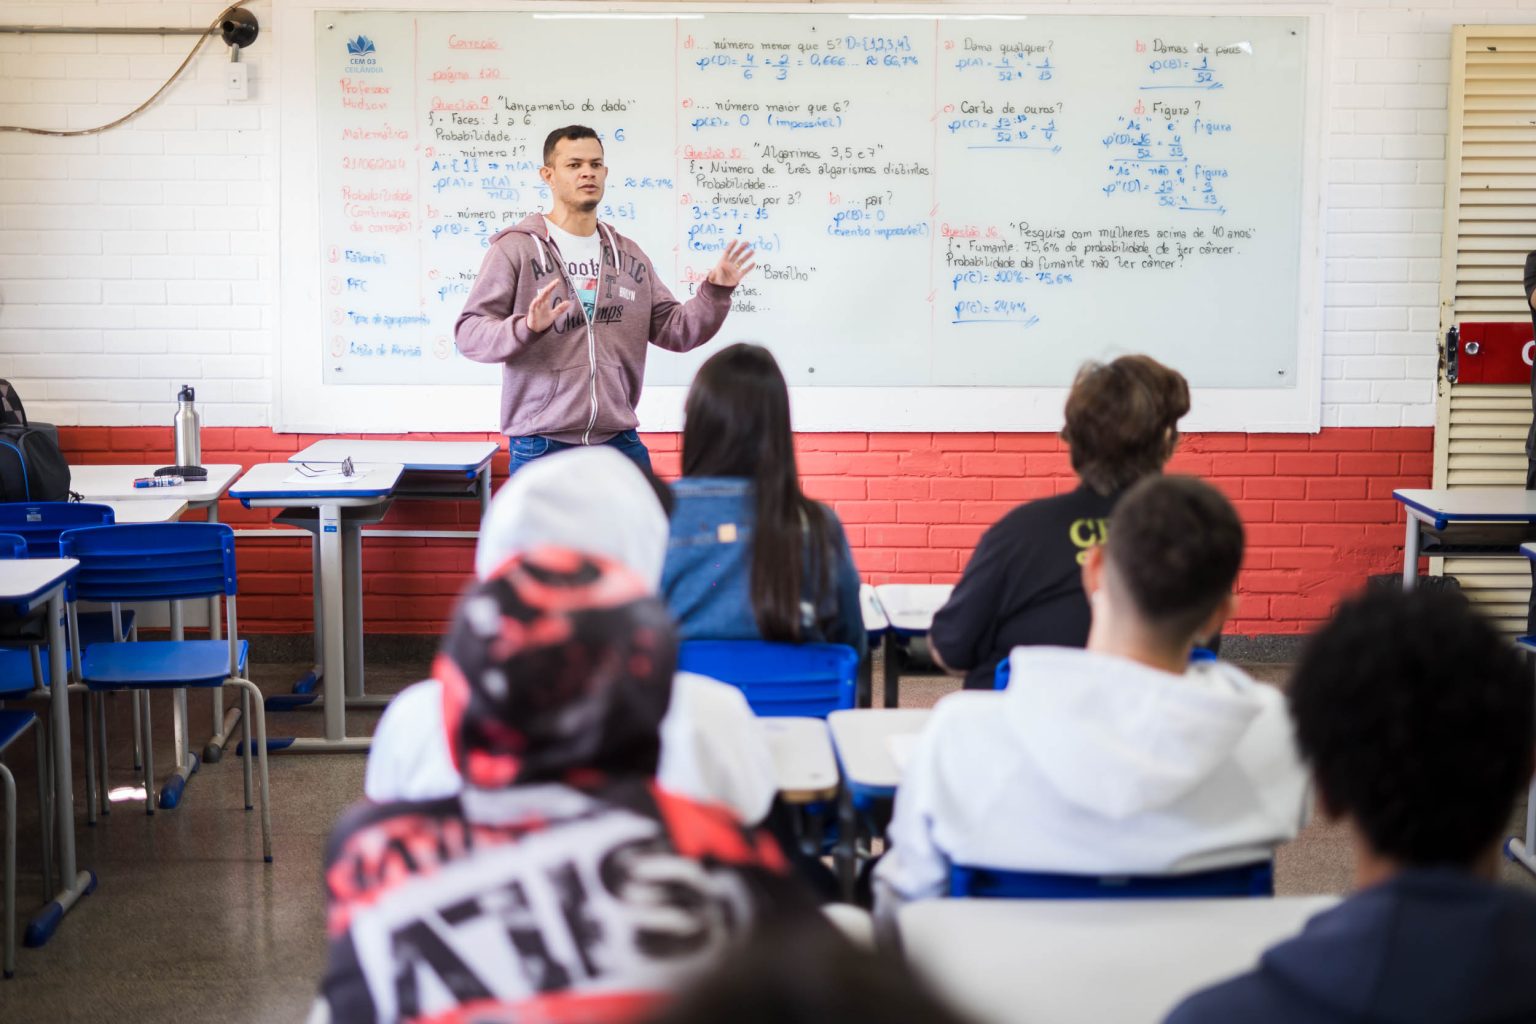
750	556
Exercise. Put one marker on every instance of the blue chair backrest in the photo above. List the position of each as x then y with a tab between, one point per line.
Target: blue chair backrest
39	523
151	561
12	546
1243	880
808	680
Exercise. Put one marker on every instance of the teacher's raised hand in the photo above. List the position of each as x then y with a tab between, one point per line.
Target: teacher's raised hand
735	263
543	313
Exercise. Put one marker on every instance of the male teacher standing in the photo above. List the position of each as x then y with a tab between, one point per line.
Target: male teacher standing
567	305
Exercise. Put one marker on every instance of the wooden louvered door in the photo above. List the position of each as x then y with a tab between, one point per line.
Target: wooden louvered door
1490	224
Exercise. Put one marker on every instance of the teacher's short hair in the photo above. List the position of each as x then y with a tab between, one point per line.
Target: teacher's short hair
1122	420
570	131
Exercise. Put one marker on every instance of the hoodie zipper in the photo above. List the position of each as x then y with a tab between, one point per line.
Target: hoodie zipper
586	435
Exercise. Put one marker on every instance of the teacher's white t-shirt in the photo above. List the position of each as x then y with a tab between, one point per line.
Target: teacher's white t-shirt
583	255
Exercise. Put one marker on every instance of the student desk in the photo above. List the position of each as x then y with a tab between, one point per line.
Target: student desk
864	740
158	510
27	584
804	767
113	485
875	627
1486	521
279	485
909	607
434	471
1090	961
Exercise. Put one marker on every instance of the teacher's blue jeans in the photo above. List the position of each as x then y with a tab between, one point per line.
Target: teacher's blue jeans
524	450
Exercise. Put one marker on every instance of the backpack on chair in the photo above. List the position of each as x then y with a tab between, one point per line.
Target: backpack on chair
32	468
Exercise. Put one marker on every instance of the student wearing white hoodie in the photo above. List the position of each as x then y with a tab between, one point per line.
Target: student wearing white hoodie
596	501
1123	758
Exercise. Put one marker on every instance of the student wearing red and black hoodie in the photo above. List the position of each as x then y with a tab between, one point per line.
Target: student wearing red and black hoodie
561	884
567	305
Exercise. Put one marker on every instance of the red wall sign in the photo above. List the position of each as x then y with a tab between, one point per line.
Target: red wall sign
1493	353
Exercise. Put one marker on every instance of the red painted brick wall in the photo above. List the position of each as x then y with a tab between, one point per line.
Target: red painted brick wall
1318	509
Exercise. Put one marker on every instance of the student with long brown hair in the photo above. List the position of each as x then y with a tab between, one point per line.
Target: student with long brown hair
1023	585
750	556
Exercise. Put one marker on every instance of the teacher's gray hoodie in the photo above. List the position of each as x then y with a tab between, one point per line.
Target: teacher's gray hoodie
577	381
1092	764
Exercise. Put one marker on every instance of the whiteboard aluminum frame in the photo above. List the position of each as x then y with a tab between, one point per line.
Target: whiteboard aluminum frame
304	403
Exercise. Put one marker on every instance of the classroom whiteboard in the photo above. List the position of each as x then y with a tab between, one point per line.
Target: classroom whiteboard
951	213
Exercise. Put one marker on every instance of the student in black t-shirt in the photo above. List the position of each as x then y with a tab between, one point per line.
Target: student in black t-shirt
1023	584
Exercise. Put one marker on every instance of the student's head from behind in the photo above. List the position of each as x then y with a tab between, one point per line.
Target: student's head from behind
1416	719
1167	571
574	167
736	424
588	499
1122	420
556	669
807	975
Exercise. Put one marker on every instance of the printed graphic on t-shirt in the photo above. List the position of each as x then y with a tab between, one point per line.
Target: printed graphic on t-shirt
1086	534
584	277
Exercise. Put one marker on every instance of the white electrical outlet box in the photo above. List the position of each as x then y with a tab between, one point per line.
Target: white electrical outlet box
237	82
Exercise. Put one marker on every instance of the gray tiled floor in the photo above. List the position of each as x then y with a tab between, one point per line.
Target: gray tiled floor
188	923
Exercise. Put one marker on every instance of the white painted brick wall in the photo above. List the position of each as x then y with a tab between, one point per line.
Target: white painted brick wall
137	259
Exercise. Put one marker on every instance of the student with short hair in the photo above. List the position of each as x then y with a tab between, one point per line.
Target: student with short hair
1023	584
1124	758
750	556
561	883
1415	717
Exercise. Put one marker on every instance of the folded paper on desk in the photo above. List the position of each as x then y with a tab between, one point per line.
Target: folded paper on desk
307	475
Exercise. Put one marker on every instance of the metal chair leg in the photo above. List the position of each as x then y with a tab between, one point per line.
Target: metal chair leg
10	871
149	754
101	747
260	712
88	733
138	740
44	804
245	735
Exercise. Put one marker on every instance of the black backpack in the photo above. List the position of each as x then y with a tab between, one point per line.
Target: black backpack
32	468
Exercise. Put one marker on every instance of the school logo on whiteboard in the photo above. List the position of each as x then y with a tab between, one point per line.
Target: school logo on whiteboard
361	56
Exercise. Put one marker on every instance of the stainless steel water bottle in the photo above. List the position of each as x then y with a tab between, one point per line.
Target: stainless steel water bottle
188	427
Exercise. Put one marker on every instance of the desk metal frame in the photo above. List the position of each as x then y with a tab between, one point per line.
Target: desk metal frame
74	882
335	621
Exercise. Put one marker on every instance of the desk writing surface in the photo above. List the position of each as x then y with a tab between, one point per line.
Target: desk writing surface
1090	961
22	579
869	606
271	481
911	606
155	510
804	765
96	482
1510	504
465	456
862	738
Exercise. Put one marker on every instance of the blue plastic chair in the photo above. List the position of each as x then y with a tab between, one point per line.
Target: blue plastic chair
168	562
778	680
39	524
992	883
12	545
